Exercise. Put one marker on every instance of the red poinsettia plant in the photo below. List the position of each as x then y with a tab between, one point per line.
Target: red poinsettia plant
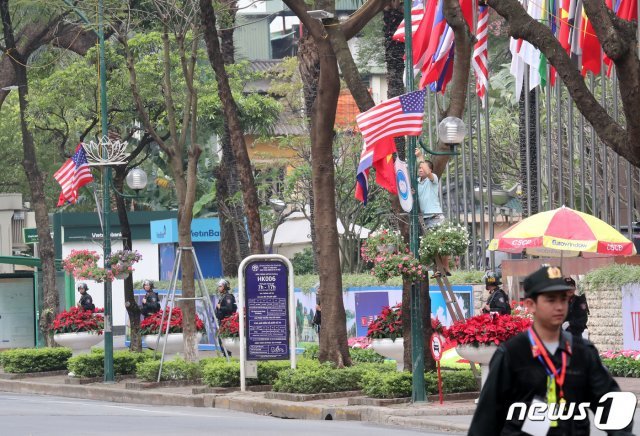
486	329
230	327
151	324
78	320
388	325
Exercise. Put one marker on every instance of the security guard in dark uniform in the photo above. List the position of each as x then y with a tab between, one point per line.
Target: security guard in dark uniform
150	301
578	315
498	300
545	364
226	303
86	301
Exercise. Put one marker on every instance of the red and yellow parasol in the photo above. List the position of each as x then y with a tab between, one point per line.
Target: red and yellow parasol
562	232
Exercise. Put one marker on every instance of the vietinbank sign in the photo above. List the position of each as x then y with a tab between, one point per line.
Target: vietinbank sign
202	230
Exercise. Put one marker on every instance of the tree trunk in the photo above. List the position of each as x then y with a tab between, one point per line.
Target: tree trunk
333	338
249	193
130	303
530	167
36	180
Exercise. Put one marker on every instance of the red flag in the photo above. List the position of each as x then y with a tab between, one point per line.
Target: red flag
386	174
74	174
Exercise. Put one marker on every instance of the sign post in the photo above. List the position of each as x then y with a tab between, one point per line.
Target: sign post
30	235
436	352
267	311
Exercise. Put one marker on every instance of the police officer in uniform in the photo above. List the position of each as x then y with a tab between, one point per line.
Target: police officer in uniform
226	303
498	300
578	315
544	364
86	302
150	301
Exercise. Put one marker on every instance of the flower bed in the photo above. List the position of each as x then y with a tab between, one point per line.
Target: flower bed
151	324
486	329
77	320
625	363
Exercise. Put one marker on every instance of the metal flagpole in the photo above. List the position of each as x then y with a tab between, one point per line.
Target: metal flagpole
492	256
616	167
594	185
548	92
483	257
560	153
474	227
605	167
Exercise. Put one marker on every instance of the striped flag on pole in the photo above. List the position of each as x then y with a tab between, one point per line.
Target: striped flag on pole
417	12
480	55
74	174
395	117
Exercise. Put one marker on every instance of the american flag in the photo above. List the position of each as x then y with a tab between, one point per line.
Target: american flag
479	60
398	116
74	174
417	12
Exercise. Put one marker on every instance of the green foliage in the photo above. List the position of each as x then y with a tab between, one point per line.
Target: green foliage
303	262
222	373
311	352
452	381
623	366
446	239
399	384
23	360
92	364
269	370
318	378
176	369
387	385
360	355
611	276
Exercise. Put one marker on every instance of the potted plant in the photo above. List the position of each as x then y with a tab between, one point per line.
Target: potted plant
78	329
121	262
478	337
385	333
153	333
83	265
229	333
381	241
444	240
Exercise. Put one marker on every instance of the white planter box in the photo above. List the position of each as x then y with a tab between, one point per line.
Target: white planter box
175	342
232	345
481	354
78	341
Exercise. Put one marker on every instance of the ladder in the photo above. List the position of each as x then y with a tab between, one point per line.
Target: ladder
202	294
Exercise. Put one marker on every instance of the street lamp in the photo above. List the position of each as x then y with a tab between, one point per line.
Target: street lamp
452	131
136	179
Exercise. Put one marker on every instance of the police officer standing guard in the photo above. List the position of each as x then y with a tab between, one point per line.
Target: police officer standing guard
546	366
150	301
86	301
578	315
498	300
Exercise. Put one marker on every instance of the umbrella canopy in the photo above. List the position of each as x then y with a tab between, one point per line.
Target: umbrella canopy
562	232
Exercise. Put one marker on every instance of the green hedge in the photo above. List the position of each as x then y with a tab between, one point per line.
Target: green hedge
176	369
23	360
92	364
219	373
358	355
612	276
623	366
399	384
311	379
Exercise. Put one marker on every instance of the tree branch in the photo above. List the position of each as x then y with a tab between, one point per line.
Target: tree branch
313	26
356	22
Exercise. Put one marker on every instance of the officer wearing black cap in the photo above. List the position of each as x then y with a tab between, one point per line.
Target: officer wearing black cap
498	300
544	364
150	301
578	315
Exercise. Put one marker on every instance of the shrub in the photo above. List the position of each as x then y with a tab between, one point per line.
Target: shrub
623	366
176	369
221	373
311	352
318	378
303	262
268	370
360	355
452	382
92	364
23	360
387	385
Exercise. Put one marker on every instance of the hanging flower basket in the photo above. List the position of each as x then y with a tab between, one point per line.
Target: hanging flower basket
83	265
122	262
443	240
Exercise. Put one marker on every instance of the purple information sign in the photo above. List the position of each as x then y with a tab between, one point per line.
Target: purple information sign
267	308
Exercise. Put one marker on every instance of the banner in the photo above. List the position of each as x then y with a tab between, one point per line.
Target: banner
404	185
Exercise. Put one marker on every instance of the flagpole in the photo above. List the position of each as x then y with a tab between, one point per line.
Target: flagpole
417	343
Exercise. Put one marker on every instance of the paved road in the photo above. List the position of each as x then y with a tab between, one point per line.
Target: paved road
22	415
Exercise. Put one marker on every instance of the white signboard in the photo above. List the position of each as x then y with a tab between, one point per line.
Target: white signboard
631	316
404	185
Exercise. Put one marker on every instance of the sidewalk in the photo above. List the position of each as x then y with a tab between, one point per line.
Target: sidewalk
454	415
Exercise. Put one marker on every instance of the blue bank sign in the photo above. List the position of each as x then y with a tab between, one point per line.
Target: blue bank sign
202	230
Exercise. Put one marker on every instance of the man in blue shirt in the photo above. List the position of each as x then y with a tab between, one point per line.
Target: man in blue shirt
429	199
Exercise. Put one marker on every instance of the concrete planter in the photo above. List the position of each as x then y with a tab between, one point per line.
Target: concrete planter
175	342
390	349
232	345
481	354
78	341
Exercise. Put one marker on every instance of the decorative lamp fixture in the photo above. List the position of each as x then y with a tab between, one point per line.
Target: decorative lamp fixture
452	131
137	179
